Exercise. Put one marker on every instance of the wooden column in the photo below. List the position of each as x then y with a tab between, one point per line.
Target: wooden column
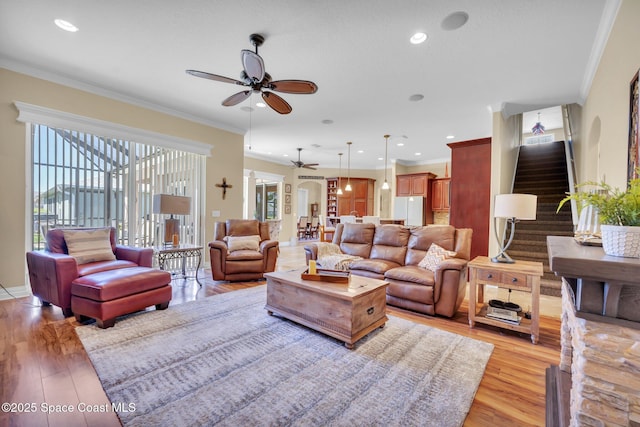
470	191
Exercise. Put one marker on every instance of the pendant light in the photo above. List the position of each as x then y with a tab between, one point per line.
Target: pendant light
339	192
348	186
385	186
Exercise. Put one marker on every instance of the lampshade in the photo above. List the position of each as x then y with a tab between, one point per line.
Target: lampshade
171	205
519	206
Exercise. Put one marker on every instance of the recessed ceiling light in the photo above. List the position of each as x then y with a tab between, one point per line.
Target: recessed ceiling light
400	144
360	151
454	21
416	97
450	136
380	158
261	104
285	155
66	25
418	154
418	38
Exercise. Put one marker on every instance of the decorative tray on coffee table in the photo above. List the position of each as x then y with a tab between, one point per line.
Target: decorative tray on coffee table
326	275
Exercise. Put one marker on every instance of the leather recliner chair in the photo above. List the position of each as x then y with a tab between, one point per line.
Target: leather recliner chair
52	271
245	263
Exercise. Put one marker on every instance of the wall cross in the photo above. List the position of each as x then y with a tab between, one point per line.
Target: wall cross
224	187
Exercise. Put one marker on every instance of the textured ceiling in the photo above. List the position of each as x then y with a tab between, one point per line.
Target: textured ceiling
517	55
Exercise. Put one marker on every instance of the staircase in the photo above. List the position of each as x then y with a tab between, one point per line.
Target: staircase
542	170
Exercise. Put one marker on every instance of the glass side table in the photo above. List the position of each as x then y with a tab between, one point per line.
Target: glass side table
180	252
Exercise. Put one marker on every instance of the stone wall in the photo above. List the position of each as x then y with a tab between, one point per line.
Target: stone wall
604	362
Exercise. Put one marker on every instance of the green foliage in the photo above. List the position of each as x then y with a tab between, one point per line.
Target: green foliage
615	207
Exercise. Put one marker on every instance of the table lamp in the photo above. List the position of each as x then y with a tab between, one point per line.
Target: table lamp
514	208
168	204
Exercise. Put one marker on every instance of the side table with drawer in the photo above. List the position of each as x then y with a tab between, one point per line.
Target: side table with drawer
520	276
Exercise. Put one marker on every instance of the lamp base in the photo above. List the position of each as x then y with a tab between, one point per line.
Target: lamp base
503	258
171	228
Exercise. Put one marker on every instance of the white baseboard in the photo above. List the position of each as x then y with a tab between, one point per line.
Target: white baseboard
16	292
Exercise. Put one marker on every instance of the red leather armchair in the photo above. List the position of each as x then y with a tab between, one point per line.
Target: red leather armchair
245	263
52	270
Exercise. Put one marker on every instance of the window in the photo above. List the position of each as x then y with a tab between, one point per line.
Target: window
81	179
266	200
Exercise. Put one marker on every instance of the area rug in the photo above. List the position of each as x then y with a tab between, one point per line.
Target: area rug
224	361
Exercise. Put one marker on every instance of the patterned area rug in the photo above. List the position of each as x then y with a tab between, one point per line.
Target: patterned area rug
224	361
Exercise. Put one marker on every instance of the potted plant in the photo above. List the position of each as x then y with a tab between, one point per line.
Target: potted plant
618	212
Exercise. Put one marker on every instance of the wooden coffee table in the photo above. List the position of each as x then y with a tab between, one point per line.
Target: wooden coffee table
344	311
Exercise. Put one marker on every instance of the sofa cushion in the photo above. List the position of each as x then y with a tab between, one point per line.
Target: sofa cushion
390	243
422	237
97	267
435	255
89	245
411	273
357	239
379	266
240	243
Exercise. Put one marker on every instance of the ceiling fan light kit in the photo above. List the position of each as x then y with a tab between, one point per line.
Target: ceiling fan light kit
257	79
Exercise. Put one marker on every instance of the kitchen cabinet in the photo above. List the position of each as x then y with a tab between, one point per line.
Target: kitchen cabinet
417	184
414	184
440	194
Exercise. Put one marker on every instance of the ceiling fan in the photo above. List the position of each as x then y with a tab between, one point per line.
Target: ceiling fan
254	77
301	164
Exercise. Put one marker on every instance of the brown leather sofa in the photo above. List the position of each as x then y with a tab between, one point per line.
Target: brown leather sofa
102	289
393	252
243	264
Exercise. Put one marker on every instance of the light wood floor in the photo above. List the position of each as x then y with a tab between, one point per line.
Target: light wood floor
43	363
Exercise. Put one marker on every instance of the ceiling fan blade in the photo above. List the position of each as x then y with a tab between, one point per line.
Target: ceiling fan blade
311	164
294	86
215	77
236	99
308	167
277	103
253	65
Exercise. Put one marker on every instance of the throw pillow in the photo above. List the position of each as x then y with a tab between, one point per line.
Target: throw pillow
243	243
89	245
435	255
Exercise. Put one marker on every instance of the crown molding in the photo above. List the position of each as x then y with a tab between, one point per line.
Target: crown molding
29	113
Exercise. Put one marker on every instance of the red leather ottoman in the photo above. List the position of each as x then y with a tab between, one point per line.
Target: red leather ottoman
109	294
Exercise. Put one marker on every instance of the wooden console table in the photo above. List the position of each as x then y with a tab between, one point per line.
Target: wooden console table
520	276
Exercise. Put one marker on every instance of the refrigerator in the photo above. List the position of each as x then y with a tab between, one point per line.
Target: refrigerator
410	209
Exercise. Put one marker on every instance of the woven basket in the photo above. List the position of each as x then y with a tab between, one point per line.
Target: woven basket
622	241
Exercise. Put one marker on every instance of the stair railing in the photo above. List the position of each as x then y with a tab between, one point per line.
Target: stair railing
571	171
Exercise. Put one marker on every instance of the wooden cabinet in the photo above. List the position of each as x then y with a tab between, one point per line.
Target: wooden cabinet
359	200
415	184
470	195
440	194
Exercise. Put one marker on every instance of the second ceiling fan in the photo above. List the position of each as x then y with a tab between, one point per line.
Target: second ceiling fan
301	164
256	79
